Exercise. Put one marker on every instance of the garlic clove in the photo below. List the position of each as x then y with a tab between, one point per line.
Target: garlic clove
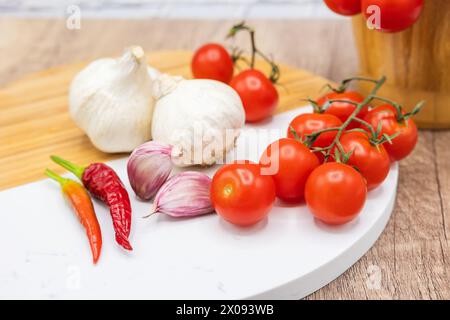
111	101
148	167
153	73
165	84
184	195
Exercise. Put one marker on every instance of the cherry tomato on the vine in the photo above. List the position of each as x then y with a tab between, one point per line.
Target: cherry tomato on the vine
372	161
212	61
404	143
343	110
289	162
344	7
394	15
335	193
258	94
308	123
241	194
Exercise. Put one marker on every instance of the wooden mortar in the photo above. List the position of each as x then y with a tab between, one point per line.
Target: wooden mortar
415	61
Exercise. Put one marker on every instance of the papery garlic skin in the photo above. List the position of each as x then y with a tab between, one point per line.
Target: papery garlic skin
148	167
153	73
111	100
185	195
195	115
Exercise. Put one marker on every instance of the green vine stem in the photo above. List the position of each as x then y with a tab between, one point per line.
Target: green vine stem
313	103
346	82
328	103
339	151
311	138
376	138
401	116
373	134
237	54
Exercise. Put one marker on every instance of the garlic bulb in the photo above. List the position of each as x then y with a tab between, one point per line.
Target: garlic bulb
148	168
111	100
200	118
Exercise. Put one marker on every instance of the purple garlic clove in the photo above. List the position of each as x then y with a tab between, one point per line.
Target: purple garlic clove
148	168
184	195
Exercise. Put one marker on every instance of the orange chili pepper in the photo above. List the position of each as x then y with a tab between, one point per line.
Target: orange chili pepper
82	204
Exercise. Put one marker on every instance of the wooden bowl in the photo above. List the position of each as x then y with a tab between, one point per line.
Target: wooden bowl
416	62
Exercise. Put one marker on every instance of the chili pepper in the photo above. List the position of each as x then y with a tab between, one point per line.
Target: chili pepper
104	184
82	204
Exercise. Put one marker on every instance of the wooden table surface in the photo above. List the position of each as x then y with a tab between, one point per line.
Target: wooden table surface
412	256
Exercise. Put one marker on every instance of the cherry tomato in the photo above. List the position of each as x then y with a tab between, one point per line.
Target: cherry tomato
405	142
212	61
344	110
289	162
258	94
309	123
241	194
372	161
344	7
335	193
394	15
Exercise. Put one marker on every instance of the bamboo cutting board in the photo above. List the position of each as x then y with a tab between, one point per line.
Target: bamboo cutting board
35	123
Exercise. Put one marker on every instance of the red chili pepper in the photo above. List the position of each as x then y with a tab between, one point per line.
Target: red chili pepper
104	184
82	204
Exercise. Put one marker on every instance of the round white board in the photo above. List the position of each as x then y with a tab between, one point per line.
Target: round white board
45	253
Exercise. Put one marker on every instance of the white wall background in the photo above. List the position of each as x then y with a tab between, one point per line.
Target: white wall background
170	8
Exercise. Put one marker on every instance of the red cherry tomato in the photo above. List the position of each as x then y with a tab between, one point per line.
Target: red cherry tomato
372	161
289	162
395	15
309	123
344	110
241	194
405	142
258	94
335	193
212	61
344	7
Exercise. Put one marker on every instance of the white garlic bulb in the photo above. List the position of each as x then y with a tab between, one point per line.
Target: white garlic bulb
111	100
200	118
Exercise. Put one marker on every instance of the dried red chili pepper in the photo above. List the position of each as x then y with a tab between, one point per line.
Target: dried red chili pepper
104	184
82	204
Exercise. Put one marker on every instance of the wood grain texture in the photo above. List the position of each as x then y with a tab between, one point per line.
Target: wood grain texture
413	253
415	61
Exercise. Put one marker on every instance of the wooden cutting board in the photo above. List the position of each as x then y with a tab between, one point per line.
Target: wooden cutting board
35	123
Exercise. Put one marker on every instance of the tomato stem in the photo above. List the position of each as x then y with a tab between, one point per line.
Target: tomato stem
367	125
359	107
328	103
296	136
415	110
346	82
237	55
352	117
376	137
311	138
397	107
314	104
